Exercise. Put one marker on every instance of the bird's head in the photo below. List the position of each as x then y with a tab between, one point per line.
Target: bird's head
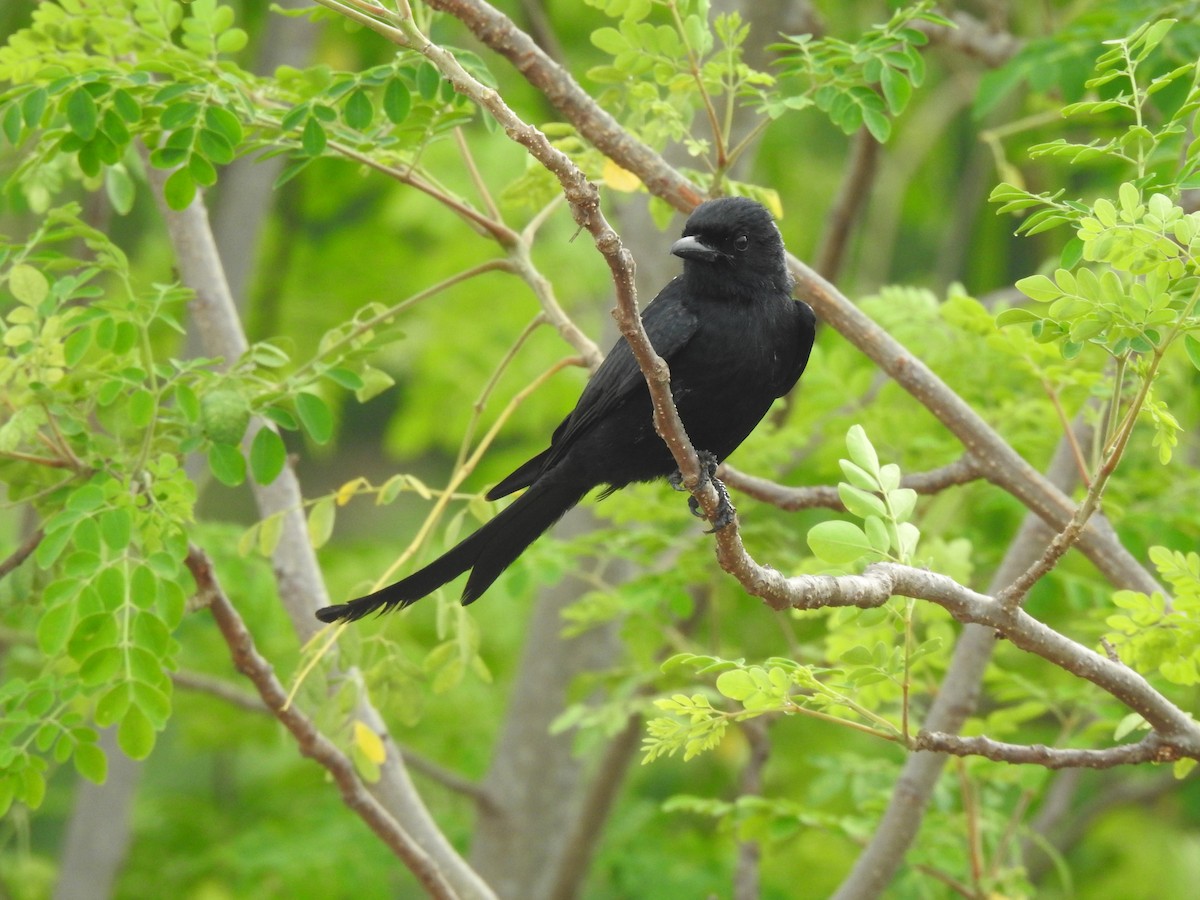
733	245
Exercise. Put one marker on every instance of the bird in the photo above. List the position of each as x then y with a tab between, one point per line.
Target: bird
734	340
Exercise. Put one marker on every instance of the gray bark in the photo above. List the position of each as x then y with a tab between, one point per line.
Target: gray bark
98	832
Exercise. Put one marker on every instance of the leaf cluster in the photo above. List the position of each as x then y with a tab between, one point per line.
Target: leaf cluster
1153	634
867	82
85	89
872	493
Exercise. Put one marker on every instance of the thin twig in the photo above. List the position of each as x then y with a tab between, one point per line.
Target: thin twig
203	683
461	472
481	188
856	185
962	471
970	807
1151	748
22	553
449	779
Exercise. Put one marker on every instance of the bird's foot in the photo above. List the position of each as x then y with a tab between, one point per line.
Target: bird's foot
726	511
708	471
708	468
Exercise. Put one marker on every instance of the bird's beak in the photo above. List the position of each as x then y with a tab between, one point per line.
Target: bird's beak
691	247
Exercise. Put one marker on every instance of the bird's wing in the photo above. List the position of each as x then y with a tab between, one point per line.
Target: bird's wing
804	328
669	324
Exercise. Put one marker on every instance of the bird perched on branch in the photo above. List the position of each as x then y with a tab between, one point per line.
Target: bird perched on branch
734	340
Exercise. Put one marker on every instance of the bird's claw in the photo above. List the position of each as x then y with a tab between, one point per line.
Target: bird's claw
708	471
726	511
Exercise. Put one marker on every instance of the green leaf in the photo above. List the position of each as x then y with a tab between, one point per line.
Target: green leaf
110	585
92	633
736	684
90	762
359	110
179	115
101	666
227	464
838	543
82	114
897	90
142	405
267	455
112	706
216	147
1192	346
143	585
232	40
858	476
179	189
313	139
428	81
281	417
610	41
54	627
119	188
33	106
1072	253
51	547
270	530
314	416
27	284
345	378
202	171
33	788
877	123
375	382
116	528
1040	288
862	453
12	124
320	522
136	734
902	501
225	123
397	101
859	502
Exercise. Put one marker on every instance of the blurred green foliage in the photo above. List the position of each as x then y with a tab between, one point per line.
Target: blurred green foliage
96	380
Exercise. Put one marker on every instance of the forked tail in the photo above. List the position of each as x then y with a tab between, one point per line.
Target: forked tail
487	552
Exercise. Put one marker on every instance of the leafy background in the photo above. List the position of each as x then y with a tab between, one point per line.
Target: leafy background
97	630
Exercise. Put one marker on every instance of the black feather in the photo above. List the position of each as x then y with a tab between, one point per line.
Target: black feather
734	340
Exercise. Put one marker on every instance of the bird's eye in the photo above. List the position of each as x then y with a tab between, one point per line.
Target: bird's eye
742	242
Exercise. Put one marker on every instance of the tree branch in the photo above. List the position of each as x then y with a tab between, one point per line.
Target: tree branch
223	690
1151	748
962	471
852	196
22	553
971	37
308	738
880	582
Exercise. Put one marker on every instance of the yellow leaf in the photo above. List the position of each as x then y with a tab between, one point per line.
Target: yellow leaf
347	491
620	179
369	743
